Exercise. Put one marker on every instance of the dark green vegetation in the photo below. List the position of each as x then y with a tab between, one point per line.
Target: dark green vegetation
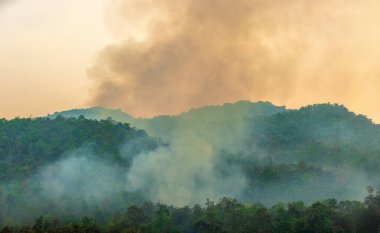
312	153
225	216
27	144
204	121
319	148
83	163
320	134
66	166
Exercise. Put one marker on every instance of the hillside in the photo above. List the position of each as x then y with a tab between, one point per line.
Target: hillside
322	149
96	113
337	153
68	164
27	144
163	126
65	166
320	134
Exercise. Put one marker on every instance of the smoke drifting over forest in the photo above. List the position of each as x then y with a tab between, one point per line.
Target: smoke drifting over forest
185	171
67	165
174	55
218	151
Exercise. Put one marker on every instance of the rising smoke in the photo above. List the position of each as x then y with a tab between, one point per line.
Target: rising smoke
212	153
175	55
78	184
183	173
207	156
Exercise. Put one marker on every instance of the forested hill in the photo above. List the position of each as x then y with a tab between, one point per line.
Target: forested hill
96	113
321	134
229	114
27	144
69	165
314	152
217	112
343	145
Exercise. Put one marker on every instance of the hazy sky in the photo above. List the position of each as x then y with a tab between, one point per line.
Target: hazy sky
45	48
153	57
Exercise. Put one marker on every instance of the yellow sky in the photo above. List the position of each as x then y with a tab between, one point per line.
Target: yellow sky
47	46
45	49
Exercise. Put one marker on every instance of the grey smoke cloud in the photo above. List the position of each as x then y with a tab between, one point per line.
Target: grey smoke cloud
175	55
80	179
183	173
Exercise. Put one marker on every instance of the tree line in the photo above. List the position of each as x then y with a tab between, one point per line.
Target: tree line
26	144
226	215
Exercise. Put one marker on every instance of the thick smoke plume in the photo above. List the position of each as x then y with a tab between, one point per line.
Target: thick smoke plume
79	184
174	55
217	151
184	172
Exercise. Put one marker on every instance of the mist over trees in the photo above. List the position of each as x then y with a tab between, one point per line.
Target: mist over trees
27	144
266	152
65	166
227	215
98	162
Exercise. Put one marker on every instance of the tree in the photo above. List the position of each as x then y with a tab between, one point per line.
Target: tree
261	222
89	225
136	216
162	223
231	216
319	219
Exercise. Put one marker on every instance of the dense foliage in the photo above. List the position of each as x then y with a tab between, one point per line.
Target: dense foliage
27	144
225	216
310	154
322	134
315	152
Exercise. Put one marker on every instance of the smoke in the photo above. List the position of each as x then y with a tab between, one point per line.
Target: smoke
175	55
80	180
212	152
217	151
79	184
187	171
210	159
183	173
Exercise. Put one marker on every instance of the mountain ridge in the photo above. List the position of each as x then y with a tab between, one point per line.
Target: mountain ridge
249	151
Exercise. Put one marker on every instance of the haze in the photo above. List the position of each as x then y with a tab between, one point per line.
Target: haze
165	57
46	47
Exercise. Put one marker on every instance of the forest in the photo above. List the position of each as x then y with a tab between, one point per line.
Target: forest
242	167
27	144
189	116
227	215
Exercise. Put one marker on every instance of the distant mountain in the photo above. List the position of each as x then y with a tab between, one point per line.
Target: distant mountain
343	145
96	113
250	151
211	113
163	126
323	149
321	134
66	166
28	144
